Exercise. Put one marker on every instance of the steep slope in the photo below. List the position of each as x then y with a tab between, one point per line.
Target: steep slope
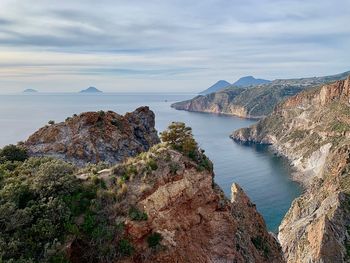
253	102
160	206
179	215
221	84
96	136
249	81
312	129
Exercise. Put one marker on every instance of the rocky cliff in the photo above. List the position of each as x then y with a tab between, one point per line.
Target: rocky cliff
180	215
96	136
312	129
254	102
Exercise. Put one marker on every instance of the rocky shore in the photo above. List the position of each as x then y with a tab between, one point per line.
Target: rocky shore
312	130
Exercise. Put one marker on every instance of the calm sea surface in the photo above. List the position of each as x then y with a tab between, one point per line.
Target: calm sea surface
263	176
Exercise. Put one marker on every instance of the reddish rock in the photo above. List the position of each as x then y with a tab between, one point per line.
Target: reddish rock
92	137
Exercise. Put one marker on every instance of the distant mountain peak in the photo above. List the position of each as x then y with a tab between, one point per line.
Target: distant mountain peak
250	81
29	91
91	90
221	84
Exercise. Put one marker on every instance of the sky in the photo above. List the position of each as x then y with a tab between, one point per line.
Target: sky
167	45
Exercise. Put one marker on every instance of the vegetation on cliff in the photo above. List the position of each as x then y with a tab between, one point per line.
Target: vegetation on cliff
160	206
312	129
93	137
254	102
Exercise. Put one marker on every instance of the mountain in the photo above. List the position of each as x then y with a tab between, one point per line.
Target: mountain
30	91
160	205
91	90
93	137
253	102
249	81
221	84
312	129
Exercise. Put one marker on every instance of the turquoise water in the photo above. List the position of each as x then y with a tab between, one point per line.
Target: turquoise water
263	176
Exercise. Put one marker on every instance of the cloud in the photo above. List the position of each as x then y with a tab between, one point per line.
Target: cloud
194	42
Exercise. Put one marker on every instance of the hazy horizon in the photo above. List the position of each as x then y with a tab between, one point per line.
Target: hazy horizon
167	46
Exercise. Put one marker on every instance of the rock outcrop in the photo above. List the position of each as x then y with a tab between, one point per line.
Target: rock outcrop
312	129
253	102
92	137
193	219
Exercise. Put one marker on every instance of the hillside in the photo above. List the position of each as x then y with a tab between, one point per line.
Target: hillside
93	137
254	102
159	206
249	81
312	129
221	84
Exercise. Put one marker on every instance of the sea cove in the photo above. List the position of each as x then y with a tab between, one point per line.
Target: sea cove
264	176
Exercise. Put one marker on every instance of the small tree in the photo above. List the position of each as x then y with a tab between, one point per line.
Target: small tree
180	138
51	122
13	153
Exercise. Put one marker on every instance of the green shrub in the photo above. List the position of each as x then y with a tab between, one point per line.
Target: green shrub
152	164
154	239
51	122
174	167
137	215
13	153
125	247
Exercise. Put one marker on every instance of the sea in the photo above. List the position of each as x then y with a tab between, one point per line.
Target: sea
264	176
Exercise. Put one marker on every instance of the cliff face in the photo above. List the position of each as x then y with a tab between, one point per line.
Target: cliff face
96	136
254	102
312	129
190	214
218	102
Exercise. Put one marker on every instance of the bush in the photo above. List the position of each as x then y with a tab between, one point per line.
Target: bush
13	153
51	122
154	239
125	248
152	164
137	215
33	212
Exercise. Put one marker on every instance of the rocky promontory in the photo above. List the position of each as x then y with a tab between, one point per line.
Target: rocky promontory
93	137
161	205
253	102
180	215
312	129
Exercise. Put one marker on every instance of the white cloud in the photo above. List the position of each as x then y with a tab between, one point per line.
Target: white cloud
168	45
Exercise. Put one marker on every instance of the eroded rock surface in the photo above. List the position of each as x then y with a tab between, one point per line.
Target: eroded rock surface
312	129
253	102
96	136
196	221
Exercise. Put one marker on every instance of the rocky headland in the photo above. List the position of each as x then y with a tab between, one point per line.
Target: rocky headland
191	214
93	137
312	129
153	202
253	102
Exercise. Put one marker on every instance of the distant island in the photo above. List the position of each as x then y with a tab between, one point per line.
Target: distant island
30	91
90	90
